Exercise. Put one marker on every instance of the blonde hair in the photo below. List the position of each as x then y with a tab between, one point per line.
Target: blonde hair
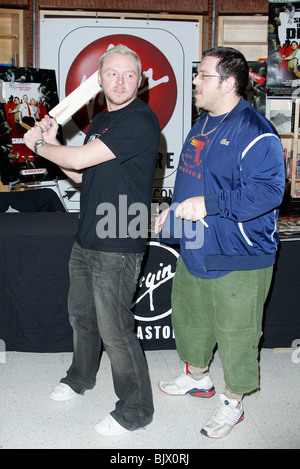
123	50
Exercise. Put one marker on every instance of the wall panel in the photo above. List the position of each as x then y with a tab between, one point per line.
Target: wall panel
245	33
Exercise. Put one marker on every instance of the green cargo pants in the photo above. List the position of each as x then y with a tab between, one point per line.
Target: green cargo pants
226	312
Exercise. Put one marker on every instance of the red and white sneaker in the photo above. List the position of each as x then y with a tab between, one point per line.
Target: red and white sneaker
185	384
229	412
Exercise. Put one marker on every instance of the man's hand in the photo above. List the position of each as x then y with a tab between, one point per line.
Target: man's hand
160	221
32	136
46	129
192	209
49	127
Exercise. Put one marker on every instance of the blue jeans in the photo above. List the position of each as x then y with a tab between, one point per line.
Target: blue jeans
102	285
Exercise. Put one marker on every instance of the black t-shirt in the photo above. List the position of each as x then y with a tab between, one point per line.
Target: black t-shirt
116	195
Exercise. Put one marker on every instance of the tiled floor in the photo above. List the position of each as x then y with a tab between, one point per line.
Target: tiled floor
29	419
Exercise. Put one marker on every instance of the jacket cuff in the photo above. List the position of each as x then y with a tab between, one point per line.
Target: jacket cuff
212	204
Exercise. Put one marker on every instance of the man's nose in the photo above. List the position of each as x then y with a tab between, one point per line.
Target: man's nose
120	78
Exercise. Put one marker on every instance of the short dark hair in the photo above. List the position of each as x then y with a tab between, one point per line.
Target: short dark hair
232	63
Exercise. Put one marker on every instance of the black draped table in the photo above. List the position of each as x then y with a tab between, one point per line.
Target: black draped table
34	280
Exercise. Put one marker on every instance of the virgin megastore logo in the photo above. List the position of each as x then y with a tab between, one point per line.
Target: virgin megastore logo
158	88
152	303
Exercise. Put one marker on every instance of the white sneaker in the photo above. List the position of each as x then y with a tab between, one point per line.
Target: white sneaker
62	392
185	384
229	412
108	426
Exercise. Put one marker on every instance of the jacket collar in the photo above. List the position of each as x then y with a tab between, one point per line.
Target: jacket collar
242	104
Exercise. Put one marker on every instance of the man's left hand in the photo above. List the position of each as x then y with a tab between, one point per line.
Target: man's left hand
32	136
192	209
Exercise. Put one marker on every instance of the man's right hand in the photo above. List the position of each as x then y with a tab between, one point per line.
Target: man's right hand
160	221
49	127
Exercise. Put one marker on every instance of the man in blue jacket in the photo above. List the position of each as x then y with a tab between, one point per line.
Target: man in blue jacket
230	182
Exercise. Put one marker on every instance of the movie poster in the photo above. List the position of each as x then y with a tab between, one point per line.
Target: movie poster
26	95
256	92
283	48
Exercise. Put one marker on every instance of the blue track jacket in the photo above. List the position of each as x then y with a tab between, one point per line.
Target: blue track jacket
239	168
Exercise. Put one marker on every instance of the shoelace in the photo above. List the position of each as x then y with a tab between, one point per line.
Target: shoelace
225	414
185	380
182	379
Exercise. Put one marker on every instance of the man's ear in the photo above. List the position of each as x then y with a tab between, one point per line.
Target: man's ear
99	79
229	84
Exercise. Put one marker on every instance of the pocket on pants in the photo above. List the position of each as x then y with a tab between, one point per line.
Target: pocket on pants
236	297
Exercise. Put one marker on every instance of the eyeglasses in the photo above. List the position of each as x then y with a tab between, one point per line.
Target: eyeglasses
203	76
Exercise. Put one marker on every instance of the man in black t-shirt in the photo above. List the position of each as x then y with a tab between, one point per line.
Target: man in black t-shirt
116	166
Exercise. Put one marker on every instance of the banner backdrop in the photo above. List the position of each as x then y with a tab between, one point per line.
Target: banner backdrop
152	301
167	51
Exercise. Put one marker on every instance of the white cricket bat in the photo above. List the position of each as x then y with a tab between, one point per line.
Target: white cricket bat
75	100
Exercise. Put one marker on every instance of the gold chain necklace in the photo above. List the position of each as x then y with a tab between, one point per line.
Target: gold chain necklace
212	130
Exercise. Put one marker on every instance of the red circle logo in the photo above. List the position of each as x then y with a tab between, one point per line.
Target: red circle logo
158	88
